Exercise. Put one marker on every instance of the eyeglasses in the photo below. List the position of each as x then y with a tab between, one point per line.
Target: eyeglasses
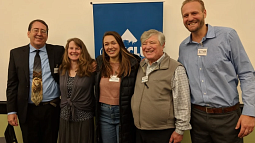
36	30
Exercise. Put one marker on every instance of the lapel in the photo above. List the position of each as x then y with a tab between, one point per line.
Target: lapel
26	59
50	52
65	78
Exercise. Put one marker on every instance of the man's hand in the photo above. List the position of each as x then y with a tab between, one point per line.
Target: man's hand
175	138
247	125
13	119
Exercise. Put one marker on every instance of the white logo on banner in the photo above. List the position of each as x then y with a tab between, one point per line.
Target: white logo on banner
130	38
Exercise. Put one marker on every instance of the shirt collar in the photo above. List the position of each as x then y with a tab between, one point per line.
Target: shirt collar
158	61
210	34
32	49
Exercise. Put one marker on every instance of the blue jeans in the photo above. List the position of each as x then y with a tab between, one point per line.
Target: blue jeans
109	123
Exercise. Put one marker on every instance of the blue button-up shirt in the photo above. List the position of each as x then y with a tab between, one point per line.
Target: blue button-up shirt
50	87
214	77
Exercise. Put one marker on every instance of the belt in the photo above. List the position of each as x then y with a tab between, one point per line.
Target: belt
216	110
53	102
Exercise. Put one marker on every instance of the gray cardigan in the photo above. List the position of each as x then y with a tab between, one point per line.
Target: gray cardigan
82	96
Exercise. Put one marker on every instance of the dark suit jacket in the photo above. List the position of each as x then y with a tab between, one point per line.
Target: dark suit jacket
18	83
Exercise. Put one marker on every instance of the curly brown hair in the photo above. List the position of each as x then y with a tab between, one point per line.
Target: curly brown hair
85	67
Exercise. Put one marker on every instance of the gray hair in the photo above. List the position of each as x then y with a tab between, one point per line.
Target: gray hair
147	34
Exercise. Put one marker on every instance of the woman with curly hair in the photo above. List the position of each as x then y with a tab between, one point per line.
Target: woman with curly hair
77	94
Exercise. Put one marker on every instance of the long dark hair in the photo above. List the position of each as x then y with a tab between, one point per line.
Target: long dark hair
124	58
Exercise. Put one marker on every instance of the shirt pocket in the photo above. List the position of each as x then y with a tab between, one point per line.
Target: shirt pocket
211	60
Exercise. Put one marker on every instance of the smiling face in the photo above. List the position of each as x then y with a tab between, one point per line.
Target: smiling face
74	51
111	47
193	16
152	50
38	35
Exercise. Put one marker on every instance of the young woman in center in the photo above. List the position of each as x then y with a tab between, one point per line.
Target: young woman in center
114	87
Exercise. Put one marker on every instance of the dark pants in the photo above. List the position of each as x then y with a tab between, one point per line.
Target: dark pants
214	128
153	136
41	125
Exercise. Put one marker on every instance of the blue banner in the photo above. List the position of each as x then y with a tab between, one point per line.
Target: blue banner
130	20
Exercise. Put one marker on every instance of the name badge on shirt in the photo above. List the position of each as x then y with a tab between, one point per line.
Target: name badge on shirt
145	79
202	52
55	70
114	78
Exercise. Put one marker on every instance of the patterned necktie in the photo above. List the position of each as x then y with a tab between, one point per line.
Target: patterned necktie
37	92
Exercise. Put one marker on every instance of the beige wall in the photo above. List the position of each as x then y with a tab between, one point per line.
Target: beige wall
74	18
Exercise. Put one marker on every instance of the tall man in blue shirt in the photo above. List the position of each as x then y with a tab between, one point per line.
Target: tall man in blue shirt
215	59
39	120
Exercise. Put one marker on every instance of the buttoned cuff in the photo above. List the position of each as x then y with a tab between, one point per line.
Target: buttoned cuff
248	110
12	113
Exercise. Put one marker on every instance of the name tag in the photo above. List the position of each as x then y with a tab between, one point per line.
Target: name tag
145	79
114	78
55	70
202	52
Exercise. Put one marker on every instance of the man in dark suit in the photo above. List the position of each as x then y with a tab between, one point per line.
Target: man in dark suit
39	121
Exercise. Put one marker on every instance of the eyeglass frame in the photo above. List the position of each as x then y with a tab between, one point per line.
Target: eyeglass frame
36	30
